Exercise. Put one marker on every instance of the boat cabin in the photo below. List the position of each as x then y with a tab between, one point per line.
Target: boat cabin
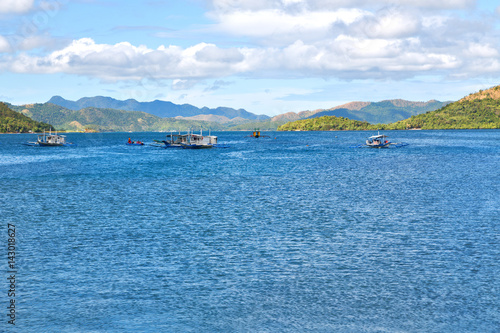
378	141
51	140
191	140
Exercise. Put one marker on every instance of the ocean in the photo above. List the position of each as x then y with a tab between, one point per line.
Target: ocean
297	232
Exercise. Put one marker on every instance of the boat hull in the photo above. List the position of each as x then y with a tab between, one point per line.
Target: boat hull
383	145
45	144
196	146
39	144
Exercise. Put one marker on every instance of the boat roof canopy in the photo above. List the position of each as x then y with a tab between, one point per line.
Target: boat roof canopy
378	136
62	136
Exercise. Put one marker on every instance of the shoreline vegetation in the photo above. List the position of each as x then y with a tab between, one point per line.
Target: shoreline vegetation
12	122
476	111
479	110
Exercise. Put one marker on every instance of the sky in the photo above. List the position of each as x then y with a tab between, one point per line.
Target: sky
265	56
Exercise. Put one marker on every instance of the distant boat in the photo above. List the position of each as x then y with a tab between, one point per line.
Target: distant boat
174	140
134	143
380	141
198	141
256	134
191	141
51	140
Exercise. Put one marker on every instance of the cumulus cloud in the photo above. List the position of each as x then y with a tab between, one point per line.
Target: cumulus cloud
275	23
15	6
4	45
289	38
346	55
280	26
124	61
213	54
388	23
230	5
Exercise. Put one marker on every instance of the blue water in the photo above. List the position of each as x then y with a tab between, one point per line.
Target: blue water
293	233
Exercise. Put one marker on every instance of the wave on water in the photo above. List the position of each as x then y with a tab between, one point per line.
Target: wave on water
8	159
241	154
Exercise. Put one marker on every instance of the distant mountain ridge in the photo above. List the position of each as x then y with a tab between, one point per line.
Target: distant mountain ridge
106	119
480	110
121	118
383	112
162	109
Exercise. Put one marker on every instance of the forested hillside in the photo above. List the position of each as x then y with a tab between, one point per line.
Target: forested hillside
13	122
327	123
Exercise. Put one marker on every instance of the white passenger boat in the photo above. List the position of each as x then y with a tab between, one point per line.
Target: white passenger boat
51	140
190	141
380	141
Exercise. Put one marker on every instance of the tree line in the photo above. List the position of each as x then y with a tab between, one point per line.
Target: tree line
469	114
14	122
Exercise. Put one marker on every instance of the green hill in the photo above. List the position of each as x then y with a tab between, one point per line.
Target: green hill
480	110
477	111
327	123
13	122
377	112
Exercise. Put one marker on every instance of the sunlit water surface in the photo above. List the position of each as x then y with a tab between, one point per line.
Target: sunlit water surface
292	233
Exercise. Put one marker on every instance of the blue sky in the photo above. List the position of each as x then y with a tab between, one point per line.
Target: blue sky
266	56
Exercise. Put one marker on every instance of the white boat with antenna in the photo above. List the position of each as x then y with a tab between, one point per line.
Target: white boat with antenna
198	141
51	140
380	141
191	141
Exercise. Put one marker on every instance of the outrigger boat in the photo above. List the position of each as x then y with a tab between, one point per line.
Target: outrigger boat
380	141
173	140
191	141
51	140
198	141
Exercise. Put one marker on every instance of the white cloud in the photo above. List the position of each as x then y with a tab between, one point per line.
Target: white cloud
212	54
41	41
4	45
288	39
280	25
15	6
275	24
124	61
481	51
389	23
346	55
325	5
183	84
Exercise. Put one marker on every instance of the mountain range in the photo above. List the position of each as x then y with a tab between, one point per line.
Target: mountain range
100	119
108	114
383	112
477	111
162	109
